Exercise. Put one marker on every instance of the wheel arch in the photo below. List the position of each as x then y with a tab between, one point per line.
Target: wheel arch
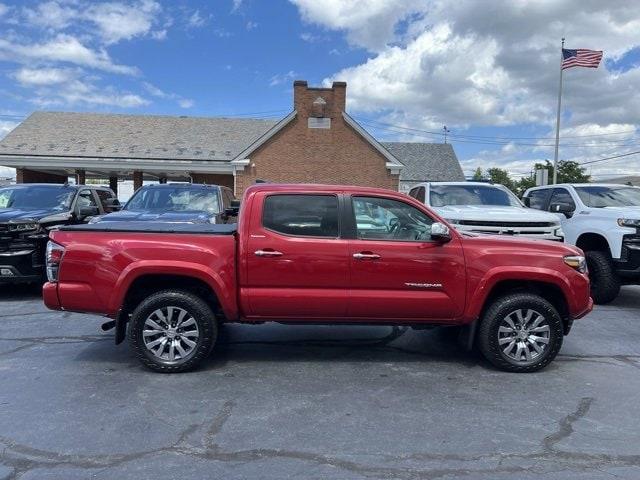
593	241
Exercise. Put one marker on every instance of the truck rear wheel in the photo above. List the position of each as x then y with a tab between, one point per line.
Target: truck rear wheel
172	331
521	332
605	285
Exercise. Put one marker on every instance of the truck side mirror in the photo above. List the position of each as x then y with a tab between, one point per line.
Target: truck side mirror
563	208
87	211
233	209
440	232
112	204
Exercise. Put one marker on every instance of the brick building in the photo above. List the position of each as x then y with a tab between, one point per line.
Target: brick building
318	142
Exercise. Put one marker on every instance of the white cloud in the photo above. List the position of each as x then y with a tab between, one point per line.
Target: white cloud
251	25
3	9
368	23
185	103
44	76
157	92
236	5
196	20
5	127
119	21
62	48
115	21
79	92
471	63
282	78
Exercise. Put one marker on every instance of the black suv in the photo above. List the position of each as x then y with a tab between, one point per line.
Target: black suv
29	211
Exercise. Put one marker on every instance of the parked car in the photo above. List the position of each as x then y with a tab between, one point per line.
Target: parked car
298	255
29	211
175	203
486	208
604	221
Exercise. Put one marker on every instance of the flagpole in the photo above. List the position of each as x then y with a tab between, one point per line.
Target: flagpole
555	156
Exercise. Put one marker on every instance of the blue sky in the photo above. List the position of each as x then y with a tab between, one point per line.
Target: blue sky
487	70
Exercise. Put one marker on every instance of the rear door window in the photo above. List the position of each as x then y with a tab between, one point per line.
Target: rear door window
302	215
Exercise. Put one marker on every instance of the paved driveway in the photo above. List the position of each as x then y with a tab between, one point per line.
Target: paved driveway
279	402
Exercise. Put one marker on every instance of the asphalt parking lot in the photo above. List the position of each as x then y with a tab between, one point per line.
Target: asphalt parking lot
312	402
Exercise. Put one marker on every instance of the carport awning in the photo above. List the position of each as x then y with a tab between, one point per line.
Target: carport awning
116	166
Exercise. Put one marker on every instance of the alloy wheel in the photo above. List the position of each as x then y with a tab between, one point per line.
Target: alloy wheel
523	335
171	334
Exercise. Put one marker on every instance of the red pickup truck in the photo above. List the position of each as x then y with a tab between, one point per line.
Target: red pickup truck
318	254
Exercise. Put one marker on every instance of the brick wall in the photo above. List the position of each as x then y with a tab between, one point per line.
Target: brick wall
298	154
213	179
24	175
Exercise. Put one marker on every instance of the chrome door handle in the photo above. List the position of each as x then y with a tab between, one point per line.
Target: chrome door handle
267	253
366	256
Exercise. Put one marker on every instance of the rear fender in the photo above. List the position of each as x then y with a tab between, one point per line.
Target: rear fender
224	292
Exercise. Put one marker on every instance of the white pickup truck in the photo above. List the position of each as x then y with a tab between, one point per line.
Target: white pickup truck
604	221
487	208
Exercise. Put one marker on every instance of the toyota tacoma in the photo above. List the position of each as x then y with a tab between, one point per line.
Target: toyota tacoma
318	254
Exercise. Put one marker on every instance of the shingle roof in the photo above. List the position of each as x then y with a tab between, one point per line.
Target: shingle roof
133	136
426	162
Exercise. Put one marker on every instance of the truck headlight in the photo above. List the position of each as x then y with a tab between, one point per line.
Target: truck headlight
577	262
628	222
22	227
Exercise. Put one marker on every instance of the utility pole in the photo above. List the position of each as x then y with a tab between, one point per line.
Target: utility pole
446	130
555	155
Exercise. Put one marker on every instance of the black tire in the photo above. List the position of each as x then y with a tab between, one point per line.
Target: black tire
605	284
197	308
494	317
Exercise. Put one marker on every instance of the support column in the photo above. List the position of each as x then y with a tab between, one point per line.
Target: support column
81	177
24	175
137	180
113	184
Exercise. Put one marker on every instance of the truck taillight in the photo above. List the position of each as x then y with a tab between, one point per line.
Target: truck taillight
54	257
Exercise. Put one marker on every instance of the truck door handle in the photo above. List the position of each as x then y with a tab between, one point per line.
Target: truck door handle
267	253
366	256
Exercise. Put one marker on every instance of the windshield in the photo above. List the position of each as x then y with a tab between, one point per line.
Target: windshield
36	197
177	199
600	196
445	195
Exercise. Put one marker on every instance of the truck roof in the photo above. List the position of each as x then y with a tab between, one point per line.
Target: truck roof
313	187
582	185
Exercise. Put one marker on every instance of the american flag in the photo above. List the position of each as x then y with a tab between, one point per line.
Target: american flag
581	58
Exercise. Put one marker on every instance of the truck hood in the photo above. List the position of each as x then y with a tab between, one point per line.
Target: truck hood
620	212
19	215
168	217
521	245
494	213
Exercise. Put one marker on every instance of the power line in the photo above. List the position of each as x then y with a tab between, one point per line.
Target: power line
491	137
609	158
408	131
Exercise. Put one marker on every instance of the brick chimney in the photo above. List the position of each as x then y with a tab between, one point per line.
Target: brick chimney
318	102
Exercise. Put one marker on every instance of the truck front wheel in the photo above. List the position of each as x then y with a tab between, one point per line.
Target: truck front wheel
605	285
521	332
172	331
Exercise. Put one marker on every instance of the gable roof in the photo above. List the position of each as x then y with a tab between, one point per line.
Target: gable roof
70	134
426	162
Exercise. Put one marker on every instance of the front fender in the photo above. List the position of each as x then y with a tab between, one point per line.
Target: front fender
481	291
222	288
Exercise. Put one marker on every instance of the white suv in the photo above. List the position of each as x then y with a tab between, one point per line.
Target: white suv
604	221
487	208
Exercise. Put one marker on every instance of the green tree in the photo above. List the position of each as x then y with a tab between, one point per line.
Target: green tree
568	171
478	176
523	184
500	176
